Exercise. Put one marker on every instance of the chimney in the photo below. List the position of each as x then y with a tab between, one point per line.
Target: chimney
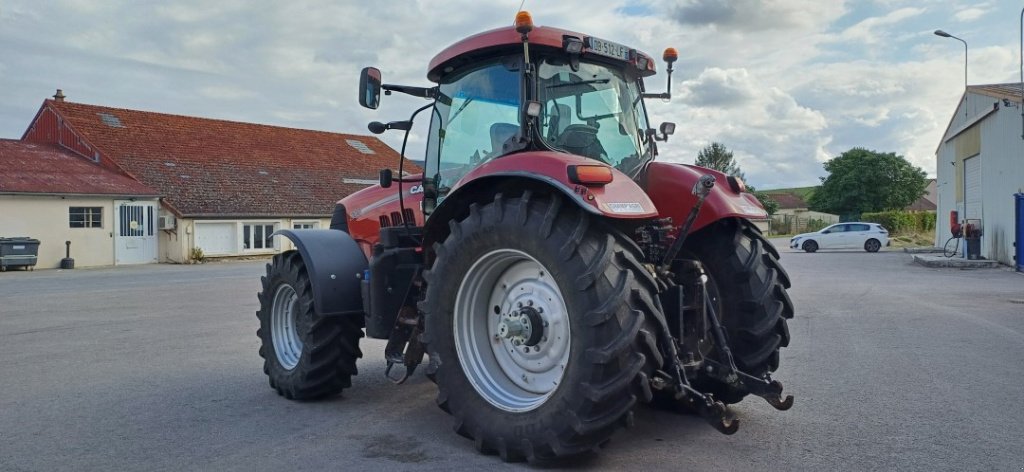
59	96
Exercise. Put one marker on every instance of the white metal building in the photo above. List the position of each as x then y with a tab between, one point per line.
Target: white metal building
980	166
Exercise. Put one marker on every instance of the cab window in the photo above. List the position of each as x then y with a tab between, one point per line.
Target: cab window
475	116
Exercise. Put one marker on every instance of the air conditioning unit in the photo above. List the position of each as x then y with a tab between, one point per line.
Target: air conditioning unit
166	222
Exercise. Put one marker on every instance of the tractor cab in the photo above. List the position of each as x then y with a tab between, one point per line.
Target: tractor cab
524	89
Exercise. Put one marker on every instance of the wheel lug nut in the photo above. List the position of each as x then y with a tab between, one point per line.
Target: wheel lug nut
526	350
519	304
540	309
529	302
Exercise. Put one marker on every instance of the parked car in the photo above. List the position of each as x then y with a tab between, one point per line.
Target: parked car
869	236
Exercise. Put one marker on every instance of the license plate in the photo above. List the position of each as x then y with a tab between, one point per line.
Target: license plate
607	48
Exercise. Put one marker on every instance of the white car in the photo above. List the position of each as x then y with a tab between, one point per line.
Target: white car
854	235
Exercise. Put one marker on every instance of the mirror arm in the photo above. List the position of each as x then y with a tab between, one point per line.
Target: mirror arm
422	92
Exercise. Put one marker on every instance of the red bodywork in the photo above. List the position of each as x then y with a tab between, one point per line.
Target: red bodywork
670	187
663	191
484	43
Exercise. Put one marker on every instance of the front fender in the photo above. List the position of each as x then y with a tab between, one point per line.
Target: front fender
670	187
334	263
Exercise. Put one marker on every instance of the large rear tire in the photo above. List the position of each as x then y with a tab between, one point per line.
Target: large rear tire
512	385
306	356
749	288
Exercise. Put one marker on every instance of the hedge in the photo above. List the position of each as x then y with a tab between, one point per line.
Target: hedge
899	221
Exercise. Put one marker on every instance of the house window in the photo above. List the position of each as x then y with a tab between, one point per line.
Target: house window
256	236
85	217
306	225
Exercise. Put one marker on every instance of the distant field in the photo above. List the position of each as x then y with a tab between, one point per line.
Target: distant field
802	192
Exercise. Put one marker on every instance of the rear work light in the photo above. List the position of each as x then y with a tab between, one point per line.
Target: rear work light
736	184
590	175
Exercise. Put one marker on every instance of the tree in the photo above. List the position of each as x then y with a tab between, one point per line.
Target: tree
716	156
862	181
770	205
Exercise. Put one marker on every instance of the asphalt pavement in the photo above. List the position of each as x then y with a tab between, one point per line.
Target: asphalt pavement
894	367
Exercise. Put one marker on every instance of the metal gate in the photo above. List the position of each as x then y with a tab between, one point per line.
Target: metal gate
134	233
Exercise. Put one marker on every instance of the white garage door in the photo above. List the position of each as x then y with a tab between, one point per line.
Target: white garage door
216	238
972	188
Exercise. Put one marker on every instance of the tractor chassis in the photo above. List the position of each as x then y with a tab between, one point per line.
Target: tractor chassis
405	348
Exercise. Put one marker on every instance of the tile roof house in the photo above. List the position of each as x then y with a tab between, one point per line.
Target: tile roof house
224	186
54	195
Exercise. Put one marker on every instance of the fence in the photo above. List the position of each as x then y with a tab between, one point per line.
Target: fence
794	224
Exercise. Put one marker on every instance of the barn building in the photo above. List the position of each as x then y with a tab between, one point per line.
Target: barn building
980	169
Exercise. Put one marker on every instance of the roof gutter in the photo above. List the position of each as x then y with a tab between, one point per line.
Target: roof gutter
57	194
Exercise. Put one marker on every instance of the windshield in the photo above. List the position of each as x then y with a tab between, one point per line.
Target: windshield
593	111
476	115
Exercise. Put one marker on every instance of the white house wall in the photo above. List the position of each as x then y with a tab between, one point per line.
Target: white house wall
176	246
46	218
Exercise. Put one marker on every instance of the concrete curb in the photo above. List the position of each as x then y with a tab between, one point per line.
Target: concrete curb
954	262
922	250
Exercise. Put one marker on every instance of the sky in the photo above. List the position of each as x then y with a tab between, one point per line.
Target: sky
784	84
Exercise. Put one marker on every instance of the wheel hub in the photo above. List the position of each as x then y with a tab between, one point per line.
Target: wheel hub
511	329
524	327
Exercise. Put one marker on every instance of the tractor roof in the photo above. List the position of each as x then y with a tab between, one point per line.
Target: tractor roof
488	42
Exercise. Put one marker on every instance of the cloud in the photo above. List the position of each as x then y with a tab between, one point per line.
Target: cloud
755	15
970	14
774	138
870	30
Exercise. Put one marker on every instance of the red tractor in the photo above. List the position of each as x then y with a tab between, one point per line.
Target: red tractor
554	274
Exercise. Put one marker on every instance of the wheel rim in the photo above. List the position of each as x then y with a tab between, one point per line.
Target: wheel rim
283	329
511	330
873	245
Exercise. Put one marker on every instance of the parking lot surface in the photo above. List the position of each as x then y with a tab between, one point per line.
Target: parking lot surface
894	367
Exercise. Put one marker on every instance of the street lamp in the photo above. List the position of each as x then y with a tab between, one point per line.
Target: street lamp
947	35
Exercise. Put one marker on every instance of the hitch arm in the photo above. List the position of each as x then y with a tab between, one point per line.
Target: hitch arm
726	371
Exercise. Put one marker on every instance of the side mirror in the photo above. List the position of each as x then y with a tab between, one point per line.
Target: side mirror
369	88
385	178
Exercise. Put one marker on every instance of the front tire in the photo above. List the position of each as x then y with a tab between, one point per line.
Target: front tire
748	285
810	246
306	356
517	391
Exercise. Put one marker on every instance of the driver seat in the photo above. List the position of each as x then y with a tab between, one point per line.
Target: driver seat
501	134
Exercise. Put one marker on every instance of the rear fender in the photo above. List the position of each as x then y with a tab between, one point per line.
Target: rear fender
670	187
621	199
334	263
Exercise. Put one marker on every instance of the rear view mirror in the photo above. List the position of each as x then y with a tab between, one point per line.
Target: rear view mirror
369	88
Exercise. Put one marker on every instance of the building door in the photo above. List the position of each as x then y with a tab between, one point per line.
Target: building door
135	240
216	239
972	188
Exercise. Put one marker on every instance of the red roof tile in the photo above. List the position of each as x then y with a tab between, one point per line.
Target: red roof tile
43	168
207	167
788	201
